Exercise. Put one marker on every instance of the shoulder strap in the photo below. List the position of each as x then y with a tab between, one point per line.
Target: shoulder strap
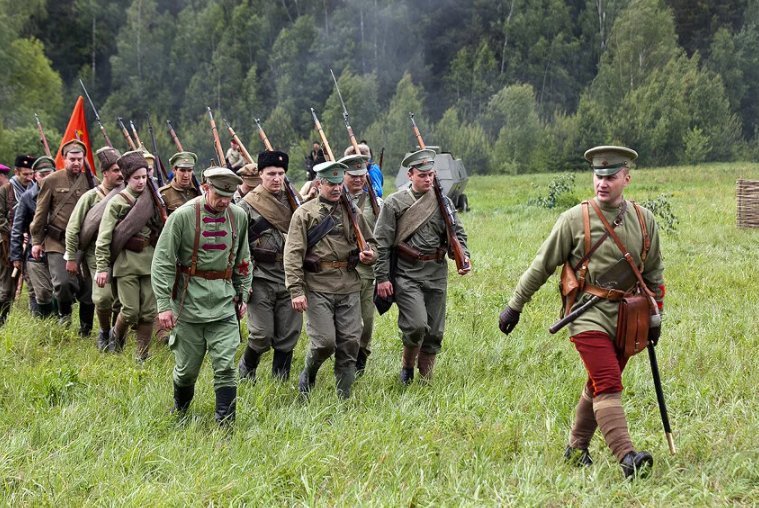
127	197
586	228
644	231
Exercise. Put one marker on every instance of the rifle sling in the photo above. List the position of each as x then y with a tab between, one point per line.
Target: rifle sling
65	200
319	231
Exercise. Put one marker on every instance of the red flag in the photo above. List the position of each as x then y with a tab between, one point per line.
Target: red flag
76	129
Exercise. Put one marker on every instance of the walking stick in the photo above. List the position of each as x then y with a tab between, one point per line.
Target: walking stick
660	398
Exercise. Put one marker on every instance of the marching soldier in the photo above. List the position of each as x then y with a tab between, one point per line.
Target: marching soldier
320	274
251	178
201	273
411	228
102	298
41	287
10	194
234	156
355	184
180	190
600	404
130	268
56	200
272	322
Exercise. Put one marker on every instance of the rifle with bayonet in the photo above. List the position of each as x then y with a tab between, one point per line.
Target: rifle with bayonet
178	145
292	195
43	139
327	150
354	143
97	116
220	157
125	133
137	140
160	169
459	256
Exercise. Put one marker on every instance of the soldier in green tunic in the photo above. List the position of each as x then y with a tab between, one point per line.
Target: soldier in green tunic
600	404
101	297
355	184
272	322
180	190
130	268
201	279
412	230
58	195
321	256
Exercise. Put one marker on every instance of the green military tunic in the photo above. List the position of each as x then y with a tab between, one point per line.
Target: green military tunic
419	287
566	243
204	309
130	270
333	294
272	322
174	196
101	297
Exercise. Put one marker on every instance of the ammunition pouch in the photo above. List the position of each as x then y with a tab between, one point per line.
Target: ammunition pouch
353	259
56	233
267	256
312	263
413	255
137	243
569	287
632	325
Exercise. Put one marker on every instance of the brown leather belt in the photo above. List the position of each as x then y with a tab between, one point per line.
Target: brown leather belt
613	295
334	264
207	274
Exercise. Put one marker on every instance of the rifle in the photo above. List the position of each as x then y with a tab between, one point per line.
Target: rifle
97	117
327	150
354	142
43	139
137	139
157	200
125	132
353	214
217	142
292	195
446	211
382	157
178	144
160	169
243	150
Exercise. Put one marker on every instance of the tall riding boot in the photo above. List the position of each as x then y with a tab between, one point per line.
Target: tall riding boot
344	382
46	309
86	316
361	358
64	313
226	405
408	360
582	431
34	307
248	364
104	336
144	334
307	378
5	309
118	335
280	365
182	397
425	363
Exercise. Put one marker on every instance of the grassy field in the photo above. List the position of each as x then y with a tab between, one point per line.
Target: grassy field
82	428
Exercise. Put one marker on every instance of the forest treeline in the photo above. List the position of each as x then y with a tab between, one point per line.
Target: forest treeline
509	86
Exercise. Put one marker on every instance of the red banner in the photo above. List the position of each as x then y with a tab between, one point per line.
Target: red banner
76	129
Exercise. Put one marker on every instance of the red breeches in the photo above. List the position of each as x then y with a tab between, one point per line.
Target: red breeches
601	361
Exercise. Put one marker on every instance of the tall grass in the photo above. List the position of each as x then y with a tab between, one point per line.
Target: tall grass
81	428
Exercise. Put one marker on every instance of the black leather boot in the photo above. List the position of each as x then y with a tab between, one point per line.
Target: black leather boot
182	397
46	309
64	313
226	405
307	379
5	309
637	464
86	316
361	362
248	364
280	365
34	307
578	456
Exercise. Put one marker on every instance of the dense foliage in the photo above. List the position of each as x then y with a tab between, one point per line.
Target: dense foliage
510	86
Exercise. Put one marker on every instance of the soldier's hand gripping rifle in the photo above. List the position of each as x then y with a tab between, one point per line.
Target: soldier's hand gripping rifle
292	195
160	169
43	139
354	143
220	157
462	263
178	145
125	133
97	117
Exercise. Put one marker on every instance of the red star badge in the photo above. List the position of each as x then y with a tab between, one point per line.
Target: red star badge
243	268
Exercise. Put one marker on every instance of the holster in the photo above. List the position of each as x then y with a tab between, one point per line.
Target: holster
137	243
262	255
569	286
353	259
413	255
632	325
312	263
56	233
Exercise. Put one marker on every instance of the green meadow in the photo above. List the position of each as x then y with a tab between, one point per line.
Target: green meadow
81	428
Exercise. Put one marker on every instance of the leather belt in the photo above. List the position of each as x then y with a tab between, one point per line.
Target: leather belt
613	295
207	274
334	264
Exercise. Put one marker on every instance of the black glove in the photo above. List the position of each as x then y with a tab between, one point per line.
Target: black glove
508	320
654	334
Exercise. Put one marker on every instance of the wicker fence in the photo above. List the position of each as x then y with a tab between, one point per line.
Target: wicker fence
748	203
